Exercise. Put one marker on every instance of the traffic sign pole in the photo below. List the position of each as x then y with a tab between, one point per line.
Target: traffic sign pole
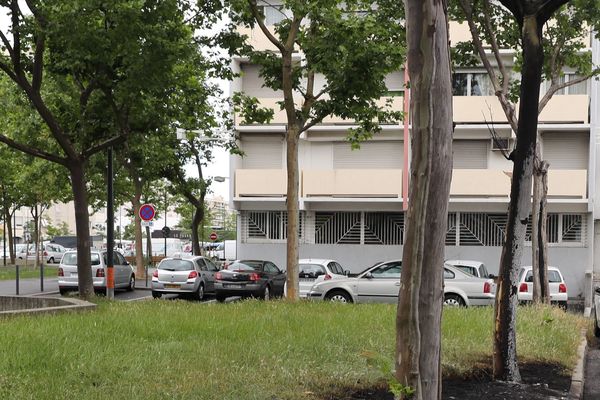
110	234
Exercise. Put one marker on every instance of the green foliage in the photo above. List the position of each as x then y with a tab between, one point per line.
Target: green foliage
385	366
352	45
61	229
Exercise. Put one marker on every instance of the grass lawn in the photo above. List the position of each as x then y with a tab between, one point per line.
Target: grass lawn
9	272
243	350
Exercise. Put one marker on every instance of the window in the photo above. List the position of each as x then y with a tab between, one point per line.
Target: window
273	14
448	274
271	268
266	226
311	270
201	264
578	88
335	268
472	84
176	265
553	277
388	270
211	266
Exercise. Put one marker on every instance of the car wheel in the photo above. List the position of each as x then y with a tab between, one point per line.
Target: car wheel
338	296
220	298
200	292
62	291
131	286
156	295
266	295
453	300
596	327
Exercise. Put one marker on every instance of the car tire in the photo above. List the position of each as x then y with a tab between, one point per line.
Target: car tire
156	295
200	293
62	291
220	298
453	300
338	296
266	294
131	286
596	327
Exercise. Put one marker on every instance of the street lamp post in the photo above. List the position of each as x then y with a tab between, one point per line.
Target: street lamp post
110	227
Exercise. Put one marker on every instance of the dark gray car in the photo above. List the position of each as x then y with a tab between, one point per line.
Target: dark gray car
192	275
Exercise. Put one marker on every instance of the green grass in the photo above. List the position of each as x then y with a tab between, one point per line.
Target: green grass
9	272
242	350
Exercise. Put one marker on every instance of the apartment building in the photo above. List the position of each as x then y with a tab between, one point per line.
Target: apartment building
351	202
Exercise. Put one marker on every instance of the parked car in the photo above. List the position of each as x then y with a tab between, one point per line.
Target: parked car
311	271
250	278
556	282
381	283
475	268
68	278
52	252
189	275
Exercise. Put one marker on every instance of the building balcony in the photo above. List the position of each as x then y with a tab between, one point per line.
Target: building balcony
471	184
280	118
560	109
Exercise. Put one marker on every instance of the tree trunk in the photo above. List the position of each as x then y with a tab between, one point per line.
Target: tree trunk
82	229
137	227
196	220
505	346
418	322
11	239
539	234
293	216
536	234
543	240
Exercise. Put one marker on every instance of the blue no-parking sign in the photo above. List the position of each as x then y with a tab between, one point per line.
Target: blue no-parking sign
147	212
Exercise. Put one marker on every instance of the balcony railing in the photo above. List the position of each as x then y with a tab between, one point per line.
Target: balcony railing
387	183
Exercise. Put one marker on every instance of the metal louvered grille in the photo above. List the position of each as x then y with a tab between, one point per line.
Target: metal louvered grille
384	228
337	228
388	228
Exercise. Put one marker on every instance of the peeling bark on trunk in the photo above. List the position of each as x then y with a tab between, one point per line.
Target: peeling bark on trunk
418	339
539	235
293	216
505	346
82	229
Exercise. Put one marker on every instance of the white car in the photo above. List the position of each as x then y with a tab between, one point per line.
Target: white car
475	268
123	272
314	270
596	311
53	252
381	284
556	282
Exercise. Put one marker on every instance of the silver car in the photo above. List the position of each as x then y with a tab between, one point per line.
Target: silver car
192	275
381	284
68	277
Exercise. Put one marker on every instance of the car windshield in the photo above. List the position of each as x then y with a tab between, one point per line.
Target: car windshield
366	269
467	269
553	276
246	266
311	270
71	259
176	265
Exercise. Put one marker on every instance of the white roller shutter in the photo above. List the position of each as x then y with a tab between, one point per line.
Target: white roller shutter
566	150
252	83
395	81
371	155
262	152
470	154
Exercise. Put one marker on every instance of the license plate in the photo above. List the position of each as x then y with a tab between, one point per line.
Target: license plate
234	286
306	280
171	286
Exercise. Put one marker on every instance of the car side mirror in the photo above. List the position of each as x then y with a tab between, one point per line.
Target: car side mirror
492	276
368	275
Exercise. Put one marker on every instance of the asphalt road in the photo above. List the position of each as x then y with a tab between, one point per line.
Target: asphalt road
591	388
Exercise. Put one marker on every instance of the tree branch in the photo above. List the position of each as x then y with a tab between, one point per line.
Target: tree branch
33	151
263	27
7	45
515	8
548	8
16	32
104	145
495	47
556	87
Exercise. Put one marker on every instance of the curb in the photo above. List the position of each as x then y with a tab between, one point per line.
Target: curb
578	377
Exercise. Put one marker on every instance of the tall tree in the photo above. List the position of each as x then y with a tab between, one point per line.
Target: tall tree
88	69
494	28
418	322
353	45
